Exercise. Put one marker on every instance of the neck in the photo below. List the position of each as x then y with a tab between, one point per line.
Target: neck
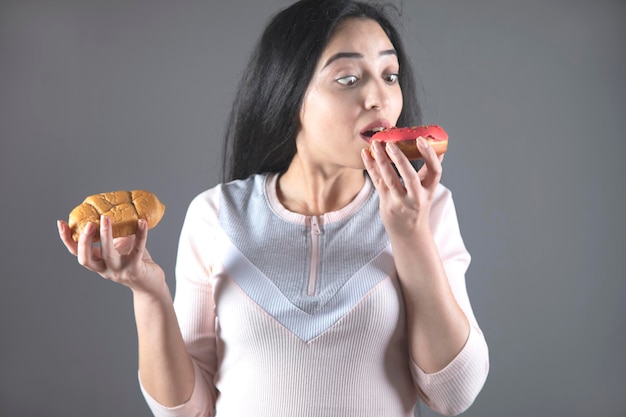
313	191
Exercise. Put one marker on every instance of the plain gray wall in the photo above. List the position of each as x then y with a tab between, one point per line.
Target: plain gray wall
99	95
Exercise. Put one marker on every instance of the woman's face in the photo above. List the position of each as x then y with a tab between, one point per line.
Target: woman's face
353	92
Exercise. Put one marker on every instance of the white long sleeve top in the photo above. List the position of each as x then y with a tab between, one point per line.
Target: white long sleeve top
293	315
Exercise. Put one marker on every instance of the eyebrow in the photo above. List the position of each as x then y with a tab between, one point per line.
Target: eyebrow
357	55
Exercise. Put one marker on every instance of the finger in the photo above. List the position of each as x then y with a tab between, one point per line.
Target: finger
141	237
85	251
110	255
384	162
372	170
407	172
123	245
65	233
430	172
366	156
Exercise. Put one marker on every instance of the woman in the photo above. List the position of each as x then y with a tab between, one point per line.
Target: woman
319	280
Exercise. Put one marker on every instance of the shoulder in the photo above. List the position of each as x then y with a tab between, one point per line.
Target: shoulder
210	201
442	200
205	202
241	190
444	225
443	217
210	198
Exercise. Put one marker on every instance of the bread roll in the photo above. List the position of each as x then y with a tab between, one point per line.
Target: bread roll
124	208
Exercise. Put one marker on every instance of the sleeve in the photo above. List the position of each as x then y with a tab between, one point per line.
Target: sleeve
452	390
195	307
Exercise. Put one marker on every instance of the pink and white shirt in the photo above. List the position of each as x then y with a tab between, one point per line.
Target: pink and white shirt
293	315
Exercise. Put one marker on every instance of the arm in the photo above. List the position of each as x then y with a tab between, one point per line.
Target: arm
195	309
431	262
164	363
453	389
165	367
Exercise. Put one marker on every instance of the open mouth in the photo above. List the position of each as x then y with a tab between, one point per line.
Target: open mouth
369	133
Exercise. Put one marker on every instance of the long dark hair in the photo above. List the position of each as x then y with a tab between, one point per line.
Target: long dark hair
264	120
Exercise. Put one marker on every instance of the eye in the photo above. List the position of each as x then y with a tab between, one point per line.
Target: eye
391	78
347	80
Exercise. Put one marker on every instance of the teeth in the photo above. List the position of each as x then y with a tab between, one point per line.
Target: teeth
378	129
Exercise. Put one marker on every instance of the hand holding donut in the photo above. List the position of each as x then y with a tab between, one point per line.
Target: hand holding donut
405	195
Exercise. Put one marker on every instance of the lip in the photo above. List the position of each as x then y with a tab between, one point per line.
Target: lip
373	125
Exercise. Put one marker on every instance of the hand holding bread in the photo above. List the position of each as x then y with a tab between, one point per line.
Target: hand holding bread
103	217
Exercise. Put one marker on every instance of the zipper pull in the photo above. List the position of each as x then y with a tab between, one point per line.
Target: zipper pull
314	222
315	226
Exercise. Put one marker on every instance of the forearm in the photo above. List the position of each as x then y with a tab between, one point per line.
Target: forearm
437	326
165	366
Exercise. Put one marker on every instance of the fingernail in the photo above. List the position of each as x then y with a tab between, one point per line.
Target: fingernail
377	146
104	221
422	143
141	224
88	228
392	147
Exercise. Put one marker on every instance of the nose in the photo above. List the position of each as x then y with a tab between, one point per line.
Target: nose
376	96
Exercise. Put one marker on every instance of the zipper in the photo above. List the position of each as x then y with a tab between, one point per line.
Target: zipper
315	232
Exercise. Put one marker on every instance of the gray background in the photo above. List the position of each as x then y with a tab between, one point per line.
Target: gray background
104	95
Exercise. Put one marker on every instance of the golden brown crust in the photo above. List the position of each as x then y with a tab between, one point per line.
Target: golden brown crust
124	208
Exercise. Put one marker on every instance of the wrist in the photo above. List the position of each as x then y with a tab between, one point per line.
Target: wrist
157	294
416	240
